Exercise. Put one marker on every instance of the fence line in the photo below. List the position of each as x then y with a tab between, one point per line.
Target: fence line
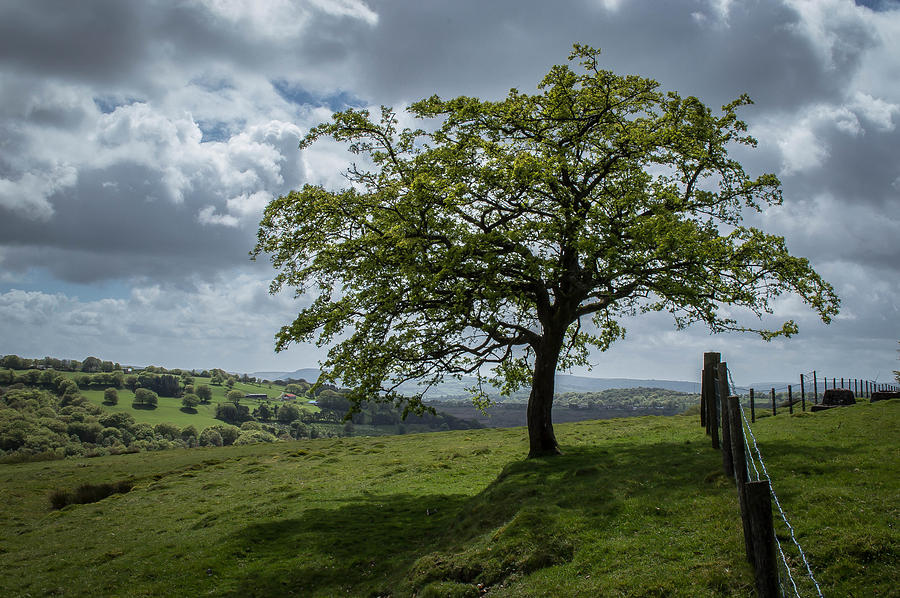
784	395
717	385
861	387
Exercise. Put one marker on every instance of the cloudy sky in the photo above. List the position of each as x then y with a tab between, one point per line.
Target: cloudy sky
140	141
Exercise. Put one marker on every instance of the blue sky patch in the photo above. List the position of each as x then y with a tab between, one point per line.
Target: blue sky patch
879	5
39	279
217	130
108	104
335	102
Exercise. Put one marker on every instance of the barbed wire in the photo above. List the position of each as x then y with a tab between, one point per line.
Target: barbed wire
778	505
787	570
814	376
749	455
863	386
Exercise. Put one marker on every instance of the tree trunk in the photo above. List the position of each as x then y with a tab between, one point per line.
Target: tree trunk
542	440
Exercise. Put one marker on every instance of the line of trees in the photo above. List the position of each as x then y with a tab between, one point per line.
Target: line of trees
39	424
628	398
164	385
90	364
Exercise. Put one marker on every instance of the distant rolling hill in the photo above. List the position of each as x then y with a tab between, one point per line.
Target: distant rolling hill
564	383
308	374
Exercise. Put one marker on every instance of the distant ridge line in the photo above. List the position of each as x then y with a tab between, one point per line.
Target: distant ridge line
564	383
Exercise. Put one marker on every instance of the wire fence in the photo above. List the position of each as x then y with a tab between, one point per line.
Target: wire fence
781	566
752	458
809	392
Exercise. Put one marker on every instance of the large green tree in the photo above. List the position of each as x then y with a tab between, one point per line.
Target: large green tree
91	364
205	393
144	398
508	237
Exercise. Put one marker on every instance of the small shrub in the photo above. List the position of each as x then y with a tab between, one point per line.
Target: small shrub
210	437
111	396
167	430
254	436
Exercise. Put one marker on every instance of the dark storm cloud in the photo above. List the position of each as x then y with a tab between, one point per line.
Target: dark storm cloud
859	169
486	48
98	40
120	45
101	231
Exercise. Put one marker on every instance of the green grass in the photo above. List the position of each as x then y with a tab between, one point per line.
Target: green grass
169	409
635	507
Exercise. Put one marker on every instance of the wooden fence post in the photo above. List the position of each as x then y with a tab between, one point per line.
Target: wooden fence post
702	403
707	390
790	401
722	387
712	403
713	416
741	475
802	394
759	506
815	388
773	403
752	407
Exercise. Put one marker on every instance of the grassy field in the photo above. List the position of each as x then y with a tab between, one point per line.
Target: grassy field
169	410
635	507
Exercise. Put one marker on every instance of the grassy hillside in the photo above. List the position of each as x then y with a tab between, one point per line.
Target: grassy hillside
169	409
636	507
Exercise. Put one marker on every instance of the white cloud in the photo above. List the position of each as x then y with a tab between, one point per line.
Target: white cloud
259	161
275	18
878	111
30	195
839	30
804	137
800	148
233	313
249	206
720	12
280	18
208	215
347	8
611	5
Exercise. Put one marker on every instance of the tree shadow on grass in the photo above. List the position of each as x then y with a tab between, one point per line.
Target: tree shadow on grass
374	545
350	548
395	544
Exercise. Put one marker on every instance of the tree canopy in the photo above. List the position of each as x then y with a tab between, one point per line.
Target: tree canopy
507	238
